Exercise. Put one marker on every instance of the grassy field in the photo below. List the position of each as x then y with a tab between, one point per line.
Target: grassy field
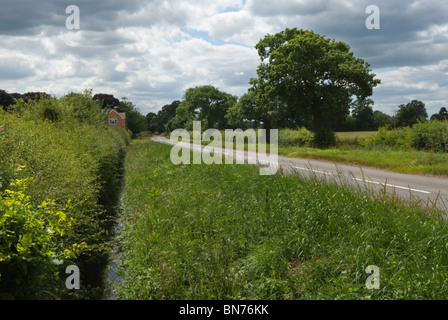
225	232
354	135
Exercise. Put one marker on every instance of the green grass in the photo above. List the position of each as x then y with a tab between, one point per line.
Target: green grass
225	232
355	135
411	162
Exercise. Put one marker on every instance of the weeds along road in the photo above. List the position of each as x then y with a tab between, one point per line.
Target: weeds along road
426	190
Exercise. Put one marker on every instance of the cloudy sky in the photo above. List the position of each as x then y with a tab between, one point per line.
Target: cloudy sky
151	51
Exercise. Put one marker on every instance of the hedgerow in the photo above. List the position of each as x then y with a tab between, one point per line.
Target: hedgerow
426	136
298	138
431	135
67	154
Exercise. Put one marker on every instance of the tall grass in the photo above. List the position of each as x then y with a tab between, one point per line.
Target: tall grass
225	232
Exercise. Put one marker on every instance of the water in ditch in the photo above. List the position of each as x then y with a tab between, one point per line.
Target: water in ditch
112	274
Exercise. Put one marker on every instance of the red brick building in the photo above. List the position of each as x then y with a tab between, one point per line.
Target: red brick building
116	118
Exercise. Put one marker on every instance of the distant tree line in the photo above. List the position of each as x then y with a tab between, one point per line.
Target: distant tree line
136	122
303	80
220	110
363	118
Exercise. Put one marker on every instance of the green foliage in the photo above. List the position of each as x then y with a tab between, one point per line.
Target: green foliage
30	241
258	107
25	229
363	114
305	73
206	104
431	136
427	136
411	113
395	138
381	119
324	138
442	115
79	107
74	158
299	138
121	134
164	120
224	232
135	121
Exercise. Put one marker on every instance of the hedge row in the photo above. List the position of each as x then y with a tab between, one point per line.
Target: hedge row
297	138
61	172
427	136
431	135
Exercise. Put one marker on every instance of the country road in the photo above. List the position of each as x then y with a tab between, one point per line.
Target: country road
428	189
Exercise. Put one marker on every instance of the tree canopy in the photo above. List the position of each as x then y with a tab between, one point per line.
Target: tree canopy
206	104
107	100
304	76
159	122
411	113
442	115
135	121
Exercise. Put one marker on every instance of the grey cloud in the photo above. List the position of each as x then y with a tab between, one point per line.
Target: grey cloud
13	69
407	38
30	17
112	75
267	8
397	43
22	17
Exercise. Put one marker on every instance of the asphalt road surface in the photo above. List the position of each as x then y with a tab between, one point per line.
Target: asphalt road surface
427	190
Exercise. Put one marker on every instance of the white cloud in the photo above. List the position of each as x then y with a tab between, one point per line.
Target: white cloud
142	49
427	83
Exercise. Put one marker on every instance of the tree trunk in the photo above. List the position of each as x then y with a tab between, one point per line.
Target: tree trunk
267	127
317	119
324	136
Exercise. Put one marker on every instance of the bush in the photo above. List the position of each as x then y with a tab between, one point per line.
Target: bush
298	138
30	237
72	157
396	138
431	136
121	134
427	136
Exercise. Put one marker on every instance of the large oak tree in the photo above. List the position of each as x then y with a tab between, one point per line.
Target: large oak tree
312	77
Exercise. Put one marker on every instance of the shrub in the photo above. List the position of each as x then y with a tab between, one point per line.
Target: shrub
427	136
121	134
72	157
30	237
299	138
431	136
396	138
